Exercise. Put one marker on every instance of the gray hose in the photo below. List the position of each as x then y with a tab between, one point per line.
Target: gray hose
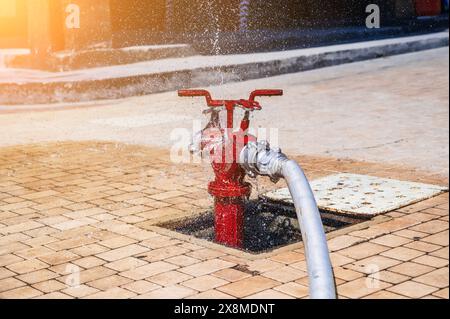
321	278
259	159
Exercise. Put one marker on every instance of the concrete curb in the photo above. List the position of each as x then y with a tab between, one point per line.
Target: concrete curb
225	69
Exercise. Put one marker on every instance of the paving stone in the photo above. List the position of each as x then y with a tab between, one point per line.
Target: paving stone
117	242
442	294
423	246
39	241
205	254
431	227
293	289
59	257
13	238
363	251
71	224
269	294
169	278
402	253
20	293
65	269
80	291
211	295
438	278
431	261
126	264
89	250
114	293
248	286
93	274
265	265
123	252
5	273
207	267
71	243
149	270
159	242
29	225
342	242
10	284
141	286
411	234
337	259
166	195
108	283
385	295
9	259
374	263
163	253
422	217
172	292
360	288
49	286
442	253
205	283
182	260
411	269
346	274
289	257
37	276
36	195
441	239
303	266
412	289
27	266
89	262
392	277
55	296
231	275
285	274
438	211
391	241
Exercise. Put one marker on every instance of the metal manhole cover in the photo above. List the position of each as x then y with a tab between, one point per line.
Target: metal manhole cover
361	194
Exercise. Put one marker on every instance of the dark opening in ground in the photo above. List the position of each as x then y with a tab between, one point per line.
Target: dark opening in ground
267	226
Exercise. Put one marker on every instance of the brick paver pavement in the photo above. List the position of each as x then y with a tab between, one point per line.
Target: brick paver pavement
76	224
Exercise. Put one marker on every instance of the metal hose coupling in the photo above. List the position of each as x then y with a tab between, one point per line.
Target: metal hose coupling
257	158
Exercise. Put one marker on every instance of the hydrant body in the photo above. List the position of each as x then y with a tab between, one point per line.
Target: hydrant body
224	146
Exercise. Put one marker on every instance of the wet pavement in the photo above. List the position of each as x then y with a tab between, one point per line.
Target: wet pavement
386	110
79	205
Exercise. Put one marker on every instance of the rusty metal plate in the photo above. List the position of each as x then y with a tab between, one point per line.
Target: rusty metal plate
362	195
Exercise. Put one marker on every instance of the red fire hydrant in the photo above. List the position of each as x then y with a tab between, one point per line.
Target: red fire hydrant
224	146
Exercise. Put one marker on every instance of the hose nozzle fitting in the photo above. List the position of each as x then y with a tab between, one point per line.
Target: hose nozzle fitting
257	158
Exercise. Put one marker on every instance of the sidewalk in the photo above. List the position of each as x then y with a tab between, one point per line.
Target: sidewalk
77	198
34	87
66	207
365	110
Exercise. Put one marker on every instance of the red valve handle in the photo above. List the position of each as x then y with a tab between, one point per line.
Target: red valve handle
197	93
248	104
257	93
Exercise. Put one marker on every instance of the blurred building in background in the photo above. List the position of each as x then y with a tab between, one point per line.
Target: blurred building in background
212	26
